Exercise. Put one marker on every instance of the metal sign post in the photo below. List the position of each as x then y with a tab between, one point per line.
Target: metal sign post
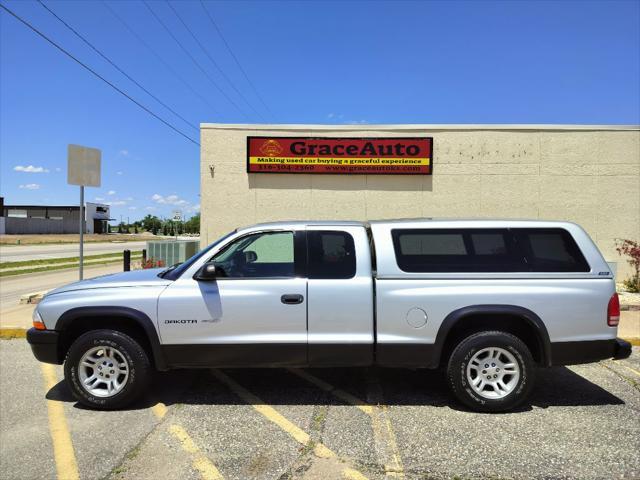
83	169
81	230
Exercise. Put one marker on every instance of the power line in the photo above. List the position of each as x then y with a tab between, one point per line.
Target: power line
158	57
79	62
196	63
113	64
215	64
236	59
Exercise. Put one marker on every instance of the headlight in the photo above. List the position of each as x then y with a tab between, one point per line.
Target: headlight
38	324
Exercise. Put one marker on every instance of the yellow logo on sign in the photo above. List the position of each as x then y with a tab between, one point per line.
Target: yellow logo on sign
271	148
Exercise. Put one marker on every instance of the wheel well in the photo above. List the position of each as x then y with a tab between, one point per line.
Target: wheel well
82	325
510	323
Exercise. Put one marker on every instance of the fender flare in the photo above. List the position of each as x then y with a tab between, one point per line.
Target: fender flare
527	315
140	318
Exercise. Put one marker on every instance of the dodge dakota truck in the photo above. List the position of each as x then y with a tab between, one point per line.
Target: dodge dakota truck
488	301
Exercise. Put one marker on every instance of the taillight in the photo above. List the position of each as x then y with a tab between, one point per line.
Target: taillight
613	311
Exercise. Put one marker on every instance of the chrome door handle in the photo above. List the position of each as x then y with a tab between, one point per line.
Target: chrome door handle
291	299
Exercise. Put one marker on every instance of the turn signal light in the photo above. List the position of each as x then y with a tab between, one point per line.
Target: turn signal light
39	325
613	311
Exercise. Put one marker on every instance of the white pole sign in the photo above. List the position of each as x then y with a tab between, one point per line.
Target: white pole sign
83	169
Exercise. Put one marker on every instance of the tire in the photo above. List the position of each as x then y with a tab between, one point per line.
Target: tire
502	357
123	366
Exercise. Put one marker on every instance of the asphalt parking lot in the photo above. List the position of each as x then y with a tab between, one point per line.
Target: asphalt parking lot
583	422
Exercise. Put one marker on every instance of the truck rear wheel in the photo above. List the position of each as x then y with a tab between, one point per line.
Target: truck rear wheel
491	371
106	369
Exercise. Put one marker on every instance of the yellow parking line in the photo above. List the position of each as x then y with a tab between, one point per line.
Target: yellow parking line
336	392
159	410
207	470
395	468
384	438
65	458
293	430
629	368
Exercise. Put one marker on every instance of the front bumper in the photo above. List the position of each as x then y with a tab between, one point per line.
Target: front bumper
44	345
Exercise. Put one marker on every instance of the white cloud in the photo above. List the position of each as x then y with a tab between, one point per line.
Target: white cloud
111	192
58	169
150	208
133	208
357	122
128	199
335	115
30	186
124	153
99	199
119	172
169	200
116	203
30	169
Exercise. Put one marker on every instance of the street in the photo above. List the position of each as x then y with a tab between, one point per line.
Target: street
582	423
38	252
11	288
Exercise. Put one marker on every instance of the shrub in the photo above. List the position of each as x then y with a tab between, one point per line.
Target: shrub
630	249
152	263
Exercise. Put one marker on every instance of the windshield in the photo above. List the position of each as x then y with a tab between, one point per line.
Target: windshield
174	272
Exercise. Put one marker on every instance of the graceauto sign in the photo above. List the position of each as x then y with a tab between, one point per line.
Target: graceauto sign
371	156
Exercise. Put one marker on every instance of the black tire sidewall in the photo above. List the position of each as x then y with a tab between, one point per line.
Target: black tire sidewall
134	354
464	352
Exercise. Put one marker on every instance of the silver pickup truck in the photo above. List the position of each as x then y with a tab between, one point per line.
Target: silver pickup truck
489	301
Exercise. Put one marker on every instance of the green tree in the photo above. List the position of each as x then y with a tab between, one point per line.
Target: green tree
151	223
193	224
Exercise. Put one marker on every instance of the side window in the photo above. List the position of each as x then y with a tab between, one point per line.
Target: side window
456	250
331	254
432	243
261	255
551	250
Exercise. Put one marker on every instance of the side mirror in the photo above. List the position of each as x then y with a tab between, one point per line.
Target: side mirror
207	273
250	256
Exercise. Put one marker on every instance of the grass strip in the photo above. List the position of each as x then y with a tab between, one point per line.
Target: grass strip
62	266
52	261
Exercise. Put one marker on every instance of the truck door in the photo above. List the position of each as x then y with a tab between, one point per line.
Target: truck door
253	313
340	296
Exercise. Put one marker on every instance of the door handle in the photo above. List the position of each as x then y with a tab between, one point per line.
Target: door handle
291	299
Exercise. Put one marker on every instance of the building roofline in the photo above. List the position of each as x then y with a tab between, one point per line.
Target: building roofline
55	206
419	127
42	206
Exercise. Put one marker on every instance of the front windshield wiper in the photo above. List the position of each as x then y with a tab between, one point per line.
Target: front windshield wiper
169	269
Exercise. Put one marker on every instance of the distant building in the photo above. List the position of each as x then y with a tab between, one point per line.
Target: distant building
35	219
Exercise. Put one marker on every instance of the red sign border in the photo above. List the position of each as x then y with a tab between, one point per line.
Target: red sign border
430	139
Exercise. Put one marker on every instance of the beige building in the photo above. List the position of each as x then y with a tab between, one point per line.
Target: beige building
586	174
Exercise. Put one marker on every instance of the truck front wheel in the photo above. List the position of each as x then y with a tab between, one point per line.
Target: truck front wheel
106	369
491	371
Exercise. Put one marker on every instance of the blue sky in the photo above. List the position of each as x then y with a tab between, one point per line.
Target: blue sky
311	62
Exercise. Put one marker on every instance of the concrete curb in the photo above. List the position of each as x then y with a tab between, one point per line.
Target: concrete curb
33	297
632	308
10	333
